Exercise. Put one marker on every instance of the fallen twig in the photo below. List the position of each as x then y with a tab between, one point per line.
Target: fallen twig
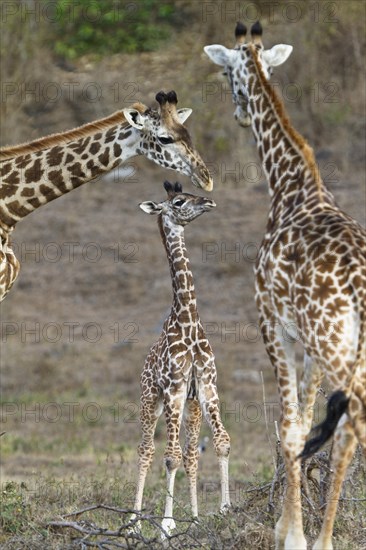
98	506
131	536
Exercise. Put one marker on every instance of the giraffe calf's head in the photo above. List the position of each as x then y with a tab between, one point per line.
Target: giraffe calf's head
166	141
179	208
241	63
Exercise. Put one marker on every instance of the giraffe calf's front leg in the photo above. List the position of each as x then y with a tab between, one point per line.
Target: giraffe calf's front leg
222	449
173	409
151	409
168	525
172	461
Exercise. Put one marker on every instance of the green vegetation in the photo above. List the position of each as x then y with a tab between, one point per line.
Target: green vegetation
14	512
105	27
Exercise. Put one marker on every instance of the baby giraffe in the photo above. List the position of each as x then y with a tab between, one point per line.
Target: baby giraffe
179	372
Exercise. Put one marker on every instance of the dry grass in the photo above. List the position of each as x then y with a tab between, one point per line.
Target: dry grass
86	512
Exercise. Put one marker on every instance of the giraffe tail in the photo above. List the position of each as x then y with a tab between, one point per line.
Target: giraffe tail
337	405
339	400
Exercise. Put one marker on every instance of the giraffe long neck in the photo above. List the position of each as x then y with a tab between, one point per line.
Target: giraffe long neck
288	161
184	298
32	179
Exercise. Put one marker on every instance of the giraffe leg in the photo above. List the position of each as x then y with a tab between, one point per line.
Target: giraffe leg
357	410
192	425
289	528
289	532
151	409
343	450
173	408
211	409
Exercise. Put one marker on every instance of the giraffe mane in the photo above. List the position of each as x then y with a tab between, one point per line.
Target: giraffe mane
301	143
69	135
161	230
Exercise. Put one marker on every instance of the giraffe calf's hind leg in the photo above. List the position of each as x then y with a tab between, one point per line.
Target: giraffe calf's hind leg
192	425
221	440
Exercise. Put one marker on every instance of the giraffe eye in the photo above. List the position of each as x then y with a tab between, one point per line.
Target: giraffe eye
224	73
166	140
179	202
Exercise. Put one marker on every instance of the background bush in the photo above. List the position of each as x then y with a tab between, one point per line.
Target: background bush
104	27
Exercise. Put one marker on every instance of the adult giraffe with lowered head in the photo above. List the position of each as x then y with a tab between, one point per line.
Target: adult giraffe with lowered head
310	285
35	173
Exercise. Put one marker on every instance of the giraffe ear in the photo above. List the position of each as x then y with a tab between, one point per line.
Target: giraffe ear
150	207
135	118
183	114
218	54
277	55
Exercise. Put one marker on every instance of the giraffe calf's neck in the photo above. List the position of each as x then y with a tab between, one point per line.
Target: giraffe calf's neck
184	296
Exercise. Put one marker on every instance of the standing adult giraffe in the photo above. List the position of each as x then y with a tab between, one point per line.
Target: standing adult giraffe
179	372
35	173
310	284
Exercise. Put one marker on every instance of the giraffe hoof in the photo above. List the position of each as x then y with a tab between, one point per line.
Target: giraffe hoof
225	508
135	528
195	520
295	540
319	545
168	525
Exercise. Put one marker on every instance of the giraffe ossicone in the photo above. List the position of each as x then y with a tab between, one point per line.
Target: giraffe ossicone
179	374
310	281
35	173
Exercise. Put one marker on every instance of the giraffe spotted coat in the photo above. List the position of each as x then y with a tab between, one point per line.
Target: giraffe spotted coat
310	281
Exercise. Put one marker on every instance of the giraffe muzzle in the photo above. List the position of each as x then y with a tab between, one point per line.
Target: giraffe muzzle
202	179
242	117
208	204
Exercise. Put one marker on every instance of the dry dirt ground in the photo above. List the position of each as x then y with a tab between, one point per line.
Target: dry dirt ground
92	295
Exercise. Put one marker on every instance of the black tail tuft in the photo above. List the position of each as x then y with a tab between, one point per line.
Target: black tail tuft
337	405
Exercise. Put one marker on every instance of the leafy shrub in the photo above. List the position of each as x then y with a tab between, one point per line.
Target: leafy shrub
14	513
102	27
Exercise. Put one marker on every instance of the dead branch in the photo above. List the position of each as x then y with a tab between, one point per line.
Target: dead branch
100	506
88	529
